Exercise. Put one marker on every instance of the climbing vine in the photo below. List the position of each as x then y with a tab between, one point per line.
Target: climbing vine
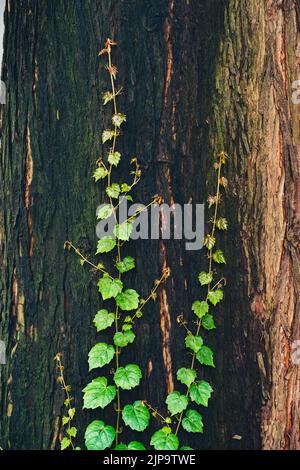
128	308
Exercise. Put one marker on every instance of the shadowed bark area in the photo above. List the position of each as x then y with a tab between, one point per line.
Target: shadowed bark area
196	78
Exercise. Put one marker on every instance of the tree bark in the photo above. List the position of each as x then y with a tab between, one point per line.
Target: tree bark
199	77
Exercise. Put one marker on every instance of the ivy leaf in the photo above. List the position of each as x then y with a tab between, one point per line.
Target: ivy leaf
215	296
109	287
218	257
118	119
128	300
200	392
107	135
100	355
121	446
205	356
200	308
72	432
205	278
99	436
98	394
125	188
113	191
65	420
186	376
123	231
128	377
222	223
106	244
164	440
209	242
176	403
100	173
114	158
193	342
104	212
208	322
65	443
192	422
123	339
136	416
103	320
135	445
126	264
107	97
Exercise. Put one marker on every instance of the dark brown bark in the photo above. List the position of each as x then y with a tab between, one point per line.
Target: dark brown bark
199	77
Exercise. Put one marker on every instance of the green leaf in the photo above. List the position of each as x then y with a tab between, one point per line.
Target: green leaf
98	394
65	419
205	278
98	436
118	119
107	97
208	322
164	440
128	377
65	443
100	173
106	244
135	445
192	422
128	300
104	212
222	223
109	287
200	308
176	403
218	257
121	446
103	320
186	448
193	342
125	188
123	231
100	355
186	376
205	356
114	158
123	339
107	135
200	392
215	296
72	432
113	191
209	242
126	264
136	416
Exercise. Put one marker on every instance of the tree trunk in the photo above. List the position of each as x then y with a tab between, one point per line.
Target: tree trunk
198	77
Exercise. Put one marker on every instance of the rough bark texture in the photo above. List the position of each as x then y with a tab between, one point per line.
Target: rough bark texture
199	77
259	125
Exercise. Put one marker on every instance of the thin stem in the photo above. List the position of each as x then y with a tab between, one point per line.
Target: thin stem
208	287
66	389
155	412
164	276
110	70
69	244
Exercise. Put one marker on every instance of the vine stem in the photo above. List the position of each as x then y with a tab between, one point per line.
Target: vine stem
111	73
69	245
210	272
65	387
